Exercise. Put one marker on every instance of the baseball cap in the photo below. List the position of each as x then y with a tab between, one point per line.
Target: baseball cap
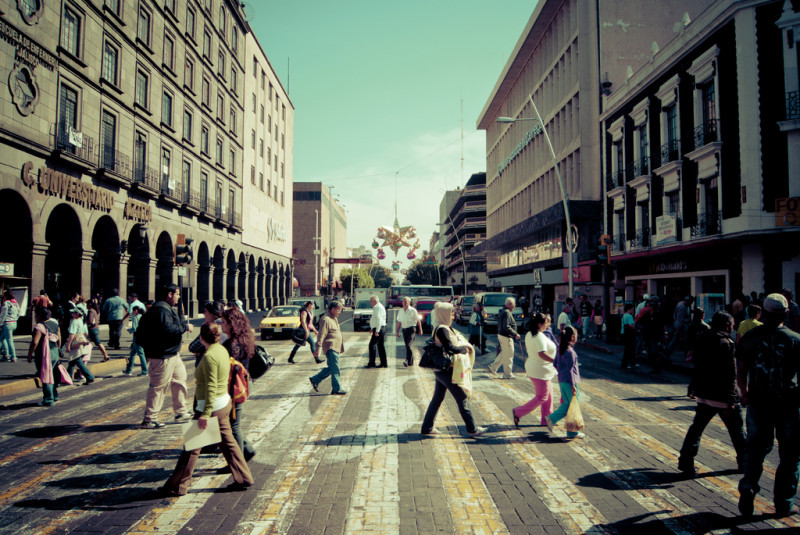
775	303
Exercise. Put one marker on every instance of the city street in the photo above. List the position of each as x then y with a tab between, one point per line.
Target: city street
357	463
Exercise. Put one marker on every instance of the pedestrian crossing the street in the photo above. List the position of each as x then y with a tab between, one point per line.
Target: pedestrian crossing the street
358	464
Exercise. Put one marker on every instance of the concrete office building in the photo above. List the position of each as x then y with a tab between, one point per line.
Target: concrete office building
123	128
466	227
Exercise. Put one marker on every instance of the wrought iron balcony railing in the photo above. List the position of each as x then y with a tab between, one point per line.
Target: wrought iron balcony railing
640	167
78	144
792	105
707	225
670	151
618	244
147	176
112	160
706	133
641	239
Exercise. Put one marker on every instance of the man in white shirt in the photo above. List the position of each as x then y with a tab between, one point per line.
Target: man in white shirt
564	319
409	324
377	326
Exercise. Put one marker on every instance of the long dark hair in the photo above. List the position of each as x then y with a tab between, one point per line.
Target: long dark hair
241	332
536	320
566	339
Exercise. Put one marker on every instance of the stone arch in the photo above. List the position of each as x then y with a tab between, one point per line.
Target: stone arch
203	273
251	283
105	263
230	266
260	284
165	261
219	273
62	266
241	286
138	263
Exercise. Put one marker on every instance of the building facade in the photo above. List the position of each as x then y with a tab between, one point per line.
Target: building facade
319	232
122	130
553	68
466	227
700	155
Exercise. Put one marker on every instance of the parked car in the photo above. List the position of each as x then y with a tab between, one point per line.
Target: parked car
362	314
493	303
464	308
280	320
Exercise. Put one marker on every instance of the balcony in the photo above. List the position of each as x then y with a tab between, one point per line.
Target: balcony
793	106
206	207
618	243
670	151
114	166
170	191
190	200
640	167
640	239
76	147
237	221
707	225
706	133
147	179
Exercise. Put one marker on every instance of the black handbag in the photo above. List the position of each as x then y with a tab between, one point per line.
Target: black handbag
434	357
299	336
259	363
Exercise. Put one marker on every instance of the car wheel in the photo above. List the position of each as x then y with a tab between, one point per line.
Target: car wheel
263	336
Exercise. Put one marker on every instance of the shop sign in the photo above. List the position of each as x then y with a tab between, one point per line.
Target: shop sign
666	229
275	230
69	188
7	269
529	135
787	212
138	211
670	267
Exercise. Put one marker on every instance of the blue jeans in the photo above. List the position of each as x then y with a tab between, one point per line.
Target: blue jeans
49	391
82	367
312	344
332	370
136	351
766	420
244	445
7	340
566	396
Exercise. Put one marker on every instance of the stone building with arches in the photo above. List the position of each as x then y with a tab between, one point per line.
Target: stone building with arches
106	136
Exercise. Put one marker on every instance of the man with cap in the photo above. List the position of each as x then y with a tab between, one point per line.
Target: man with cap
769	380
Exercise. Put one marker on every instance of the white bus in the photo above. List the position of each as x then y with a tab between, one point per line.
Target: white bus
416	291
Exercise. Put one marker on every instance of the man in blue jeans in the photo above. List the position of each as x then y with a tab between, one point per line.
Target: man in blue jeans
768	376
332	343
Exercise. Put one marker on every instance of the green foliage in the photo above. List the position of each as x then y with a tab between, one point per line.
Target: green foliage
419	273
359	276
381	276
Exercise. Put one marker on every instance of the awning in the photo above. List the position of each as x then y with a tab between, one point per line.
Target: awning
295	282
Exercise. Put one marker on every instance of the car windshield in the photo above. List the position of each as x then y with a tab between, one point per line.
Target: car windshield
425	306
283	312
364	303
496	300
467	301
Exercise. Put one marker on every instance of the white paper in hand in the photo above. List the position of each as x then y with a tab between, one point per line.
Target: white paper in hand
194	437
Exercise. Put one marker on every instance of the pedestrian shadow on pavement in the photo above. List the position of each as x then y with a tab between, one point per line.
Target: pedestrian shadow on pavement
19	406
702	522
643	478
100	500
109	480
48	431
117	458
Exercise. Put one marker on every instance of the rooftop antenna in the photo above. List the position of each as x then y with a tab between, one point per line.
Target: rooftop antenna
462	136
396	221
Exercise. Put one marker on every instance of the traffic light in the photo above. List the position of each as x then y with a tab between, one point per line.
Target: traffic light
183	250
603	250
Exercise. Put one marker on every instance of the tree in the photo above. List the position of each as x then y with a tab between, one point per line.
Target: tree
382	277
361	279
421	273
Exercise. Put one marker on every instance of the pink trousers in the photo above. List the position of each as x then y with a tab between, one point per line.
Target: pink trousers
543	397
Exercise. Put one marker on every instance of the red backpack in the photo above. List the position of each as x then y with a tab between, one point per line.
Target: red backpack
238	383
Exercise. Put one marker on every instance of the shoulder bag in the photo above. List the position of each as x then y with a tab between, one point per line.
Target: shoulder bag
434	356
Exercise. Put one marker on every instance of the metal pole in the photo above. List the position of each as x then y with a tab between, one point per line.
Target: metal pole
564	198
316	252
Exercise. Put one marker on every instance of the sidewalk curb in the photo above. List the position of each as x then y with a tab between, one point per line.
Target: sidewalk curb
116	364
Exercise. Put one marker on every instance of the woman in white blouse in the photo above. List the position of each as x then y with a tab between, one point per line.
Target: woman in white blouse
539	367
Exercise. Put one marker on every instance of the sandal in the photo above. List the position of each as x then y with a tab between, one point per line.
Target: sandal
516	419
105	359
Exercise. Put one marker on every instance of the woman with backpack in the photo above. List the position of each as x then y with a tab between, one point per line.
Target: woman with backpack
241	346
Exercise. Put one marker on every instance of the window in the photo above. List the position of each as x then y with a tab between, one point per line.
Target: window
261	147
166	109
262	114
232	121
169	52
672	123
275	192
208	5
207	44
269	188
253	139
235	40
71	37
188	74
255	67
276	131
143	31
277	102
204	140
282	173
231	202
269	124
108	134
253	175
232	161
166	163
220	107
674	201
709	102
220	149
233	78
270	92
187	125
139	157
260	181
269	155
187	180
204	191
221	64
283	113
218	198
206	96
263	79
275	161
142	81
169	5
254	103
222	19
190	22
113	5
110	63
283	142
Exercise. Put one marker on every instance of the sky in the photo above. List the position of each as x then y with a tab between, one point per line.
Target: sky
382	92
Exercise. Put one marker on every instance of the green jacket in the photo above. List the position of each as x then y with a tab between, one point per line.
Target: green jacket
211	376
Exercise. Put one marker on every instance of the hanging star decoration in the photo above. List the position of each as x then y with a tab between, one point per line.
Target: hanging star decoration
395	238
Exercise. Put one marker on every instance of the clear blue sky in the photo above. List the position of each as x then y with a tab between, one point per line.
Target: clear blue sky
377	88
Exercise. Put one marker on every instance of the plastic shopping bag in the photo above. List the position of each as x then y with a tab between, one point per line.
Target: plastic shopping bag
574	420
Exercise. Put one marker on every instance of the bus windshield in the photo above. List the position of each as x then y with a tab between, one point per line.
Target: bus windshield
438	293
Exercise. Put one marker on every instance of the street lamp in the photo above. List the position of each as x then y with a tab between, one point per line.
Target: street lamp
564	198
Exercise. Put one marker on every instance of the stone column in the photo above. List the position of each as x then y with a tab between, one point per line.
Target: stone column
87	256
152	291
39	255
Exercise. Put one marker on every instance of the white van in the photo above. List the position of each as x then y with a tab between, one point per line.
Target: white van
493	303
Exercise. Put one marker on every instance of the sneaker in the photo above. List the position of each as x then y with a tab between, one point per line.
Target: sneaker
494	373
549	423
152	424
315	385
143	373
578	435
127	374
183	416
433	431
45	403
478	432
746	499
338	393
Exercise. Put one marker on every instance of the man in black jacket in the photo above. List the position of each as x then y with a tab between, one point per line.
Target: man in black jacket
716	391
160	333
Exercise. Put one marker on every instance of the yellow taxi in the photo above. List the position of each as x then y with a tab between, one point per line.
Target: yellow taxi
280	320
